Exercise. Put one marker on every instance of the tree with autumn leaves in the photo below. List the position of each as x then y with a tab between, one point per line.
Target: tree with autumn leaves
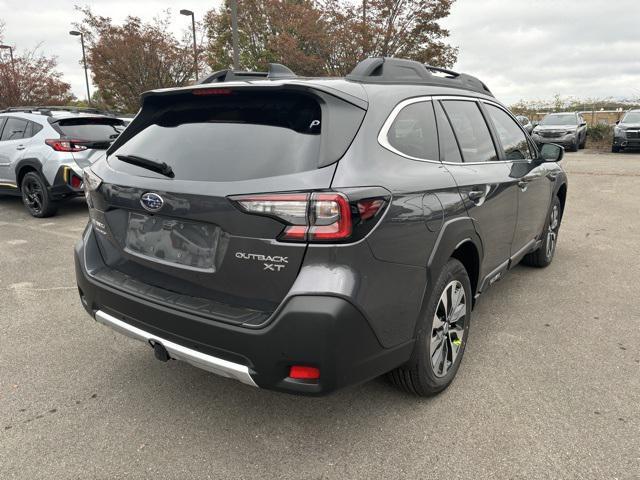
312	37
31	79
321	37
329	37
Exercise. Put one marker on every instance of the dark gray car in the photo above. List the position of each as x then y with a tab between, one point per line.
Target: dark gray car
567	129
304	234
626	133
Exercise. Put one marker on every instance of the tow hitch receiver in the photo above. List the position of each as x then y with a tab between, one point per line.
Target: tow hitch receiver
159	351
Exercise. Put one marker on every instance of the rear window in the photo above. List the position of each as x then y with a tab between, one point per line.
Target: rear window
93	129
241	135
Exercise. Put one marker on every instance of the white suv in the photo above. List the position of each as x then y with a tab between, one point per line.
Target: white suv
43	151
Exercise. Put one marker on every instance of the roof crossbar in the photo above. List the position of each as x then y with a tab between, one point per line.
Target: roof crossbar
397	70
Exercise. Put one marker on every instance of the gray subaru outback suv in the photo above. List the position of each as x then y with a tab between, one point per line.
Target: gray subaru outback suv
304	234
44	149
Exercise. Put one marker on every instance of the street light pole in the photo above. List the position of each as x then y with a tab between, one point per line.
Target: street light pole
195	45
75	33
234	33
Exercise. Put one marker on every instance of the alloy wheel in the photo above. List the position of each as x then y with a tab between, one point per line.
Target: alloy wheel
33	195
552	231
447	331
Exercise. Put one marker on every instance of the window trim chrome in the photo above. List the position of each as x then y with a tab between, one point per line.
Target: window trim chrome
384	130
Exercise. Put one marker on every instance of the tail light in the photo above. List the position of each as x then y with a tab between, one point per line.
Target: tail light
65	145
312	217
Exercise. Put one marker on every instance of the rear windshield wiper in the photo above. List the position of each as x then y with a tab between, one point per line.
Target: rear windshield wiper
158	167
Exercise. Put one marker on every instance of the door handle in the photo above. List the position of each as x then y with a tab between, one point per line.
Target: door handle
477	196
20	147
523	184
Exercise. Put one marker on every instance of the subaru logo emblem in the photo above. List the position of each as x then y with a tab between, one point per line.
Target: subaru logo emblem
151	201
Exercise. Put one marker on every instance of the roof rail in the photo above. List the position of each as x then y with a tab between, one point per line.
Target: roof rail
46	110
276	71
398	70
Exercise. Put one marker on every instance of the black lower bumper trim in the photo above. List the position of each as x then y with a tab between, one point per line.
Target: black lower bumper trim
325	332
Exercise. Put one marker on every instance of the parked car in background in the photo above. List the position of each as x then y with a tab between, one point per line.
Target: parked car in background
526	123
567	129
348	238
626	133
44	149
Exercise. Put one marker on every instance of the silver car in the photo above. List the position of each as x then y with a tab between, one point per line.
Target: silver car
567	129
43	152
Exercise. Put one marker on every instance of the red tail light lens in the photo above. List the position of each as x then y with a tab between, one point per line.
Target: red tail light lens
330	217
311	217
65	145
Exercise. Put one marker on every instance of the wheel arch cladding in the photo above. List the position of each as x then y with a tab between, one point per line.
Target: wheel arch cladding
458	239
468	255
562	195
27	165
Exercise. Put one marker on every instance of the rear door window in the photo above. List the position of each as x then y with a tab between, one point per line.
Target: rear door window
413	132
513	139
471	131
90	129
14	129
241	135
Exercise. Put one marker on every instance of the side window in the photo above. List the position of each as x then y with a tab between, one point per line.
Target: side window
413	132
32	130
449	150
471	131
511	136
14	129
2	121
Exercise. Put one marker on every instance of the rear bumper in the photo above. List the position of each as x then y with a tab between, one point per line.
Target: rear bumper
61	186
325	332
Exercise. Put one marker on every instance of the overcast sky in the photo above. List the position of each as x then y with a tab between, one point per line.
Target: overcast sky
522	49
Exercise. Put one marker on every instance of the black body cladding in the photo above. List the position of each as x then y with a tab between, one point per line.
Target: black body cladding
449	177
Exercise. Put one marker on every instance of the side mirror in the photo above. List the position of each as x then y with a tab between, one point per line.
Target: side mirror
550	152
583	124
618	122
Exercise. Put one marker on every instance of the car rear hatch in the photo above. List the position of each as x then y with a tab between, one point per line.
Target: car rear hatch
88	135
184	237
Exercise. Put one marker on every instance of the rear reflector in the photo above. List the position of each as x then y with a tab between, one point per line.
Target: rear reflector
300	372
75	181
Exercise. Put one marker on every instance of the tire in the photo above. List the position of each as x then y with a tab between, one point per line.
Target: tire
428	372
615	149
584	143
576	145
543	256
35	196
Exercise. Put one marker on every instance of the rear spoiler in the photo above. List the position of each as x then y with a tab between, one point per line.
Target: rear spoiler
157	101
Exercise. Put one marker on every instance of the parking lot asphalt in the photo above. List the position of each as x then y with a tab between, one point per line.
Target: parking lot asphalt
549	386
